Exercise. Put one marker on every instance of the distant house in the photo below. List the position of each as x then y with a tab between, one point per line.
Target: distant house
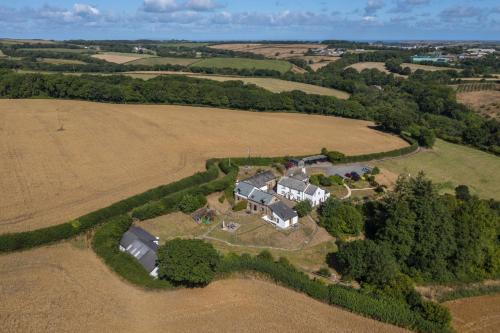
430	58
298	190
143	246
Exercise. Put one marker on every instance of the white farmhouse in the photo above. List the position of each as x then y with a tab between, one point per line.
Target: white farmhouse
282	215
299	190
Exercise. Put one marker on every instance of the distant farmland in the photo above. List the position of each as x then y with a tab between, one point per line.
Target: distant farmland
57	61
163	61
381	67
271	84
245	63
120	58
57	49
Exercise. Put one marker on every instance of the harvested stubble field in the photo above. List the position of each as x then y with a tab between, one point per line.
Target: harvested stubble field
476	314
63	288
485	102
107	152
271	84
279	51
151	61
381	67
56	61
120	58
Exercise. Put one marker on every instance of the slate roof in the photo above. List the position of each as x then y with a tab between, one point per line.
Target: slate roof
243	188
293	183
300	176
283	211
260	179
311	189
261	197
140	244
314	158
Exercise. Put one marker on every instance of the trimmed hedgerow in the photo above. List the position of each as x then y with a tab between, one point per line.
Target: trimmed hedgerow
29	239
106	242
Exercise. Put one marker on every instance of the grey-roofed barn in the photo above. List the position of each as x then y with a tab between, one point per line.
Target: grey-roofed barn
261	197
142	246
260	179
293	183
283	211
244	189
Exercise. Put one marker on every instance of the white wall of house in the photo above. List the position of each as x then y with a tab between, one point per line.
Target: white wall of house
154	273
290	193
318	197
283	224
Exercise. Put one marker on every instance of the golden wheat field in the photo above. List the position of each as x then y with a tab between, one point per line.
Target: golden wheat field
107	152
64	288
476	314
279	51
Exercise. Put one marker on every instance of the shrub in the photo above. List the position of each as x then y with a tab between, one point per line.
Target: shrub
240	206
375	171
190	262
314	179
222	198
303	208
325	181
324	271
335	156
365	261
189	203
336	179
436	313
265	255
340	218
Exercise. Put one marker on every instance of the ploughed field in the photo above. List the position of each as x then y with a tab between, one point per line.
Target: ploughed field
476	314
66	288
107	152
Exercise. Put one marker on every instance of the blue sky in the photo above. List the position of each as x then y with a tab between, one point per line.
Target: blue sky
250	20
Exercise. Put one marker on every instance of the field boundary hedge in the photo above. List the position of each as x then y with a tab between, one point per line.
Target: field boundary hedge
162	199
29	239
383	309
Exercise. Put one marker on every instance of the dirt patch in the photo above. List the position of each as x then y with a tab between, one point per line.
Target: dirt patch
108	152
486	102
61	288
476	314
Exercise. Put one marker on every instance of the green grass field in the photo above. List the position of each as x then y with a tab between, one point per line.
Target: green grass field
163	61
451	165
245	63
